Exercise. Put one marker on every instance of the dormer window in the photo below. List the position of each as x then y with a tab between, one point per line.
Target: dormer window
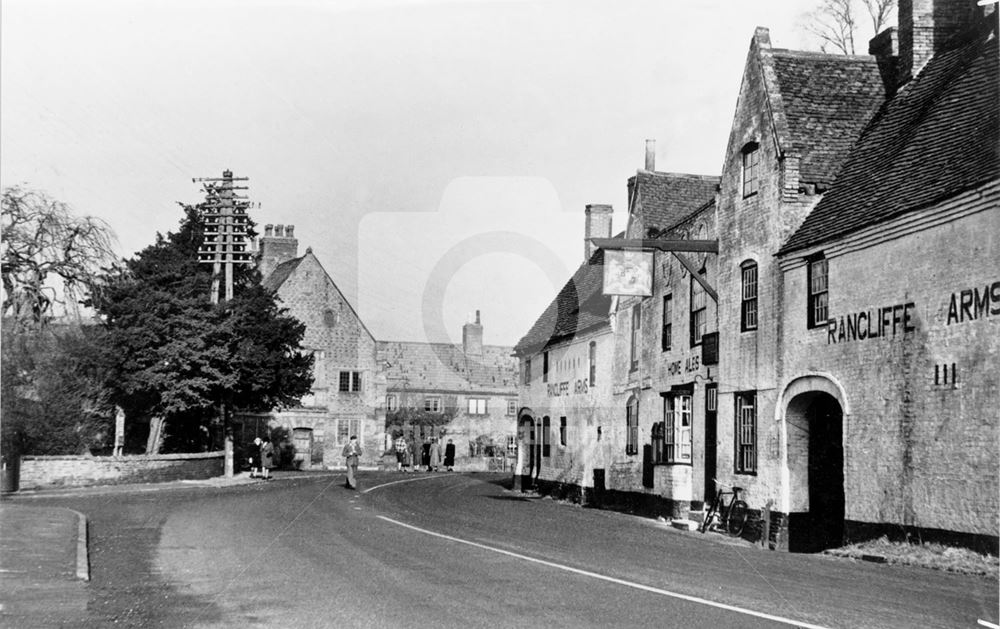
751	169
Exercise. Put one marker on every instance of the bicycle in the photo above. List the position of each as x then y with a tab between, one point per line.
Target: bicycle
730	518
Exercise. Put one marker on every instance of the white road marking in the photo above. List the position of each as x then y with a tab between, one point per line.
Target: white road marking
602	577
989	624
397	482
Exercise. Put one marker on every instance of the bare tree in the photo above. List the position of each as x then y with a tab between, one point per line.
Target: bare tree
835	23
880	11
48	255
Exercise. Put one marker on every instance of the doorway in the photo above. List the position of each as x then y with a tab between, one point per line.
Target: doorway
815	424
711	439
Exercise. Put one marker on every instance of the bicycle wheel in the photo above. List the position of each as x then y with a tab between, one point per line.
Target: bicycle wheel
738	514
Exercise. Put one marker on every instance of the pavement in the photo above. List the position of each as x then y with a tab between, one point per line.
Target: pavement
45	549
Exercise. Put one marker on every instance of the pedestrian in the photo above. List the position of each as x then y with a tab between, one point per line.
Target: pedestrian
400	447
411	455
254	458
266	457
449	456
425	454
352	452
435	456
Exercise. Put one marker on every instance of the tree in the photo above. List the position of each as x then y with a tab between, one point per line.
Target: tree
180	359
43	244
835	24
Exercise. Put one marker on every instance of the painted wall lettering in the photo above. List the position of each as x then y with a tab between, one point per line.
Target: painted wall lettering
871	324
692	364
560	389
971	304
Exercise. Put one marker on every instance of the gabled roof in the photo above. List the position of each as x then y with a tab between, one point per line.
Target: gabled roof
579	307
937	137
280	273
283	271
827	100
668	198
446	367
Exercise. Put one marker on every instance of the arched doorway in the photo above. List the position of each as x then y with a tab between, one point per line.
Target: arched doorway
526	452
815	424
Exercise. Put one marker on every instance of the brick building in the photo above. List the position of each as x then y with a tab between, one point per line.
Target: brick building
465	393
346	388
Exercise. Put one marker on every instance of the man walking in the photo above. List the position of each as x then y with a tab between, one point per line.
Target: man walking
352	452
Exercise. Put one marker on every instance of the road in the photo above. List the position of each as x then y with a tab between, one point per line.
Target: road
455	550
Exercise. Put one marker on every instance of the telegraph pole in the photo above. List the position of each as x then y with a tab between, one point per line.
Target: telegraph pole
224	214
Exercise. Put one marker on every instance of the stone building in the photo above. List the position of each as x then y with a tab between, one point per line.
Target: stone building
464	393
565	394
346	389
661	373
858	299
889	386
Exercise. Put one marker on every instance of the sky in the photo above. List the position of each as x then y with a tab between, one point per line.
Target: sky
436	156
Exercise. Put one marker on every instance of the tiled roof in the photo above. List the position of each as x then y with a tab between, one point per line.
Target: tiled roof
581	305
668	198
446	367
827	100
280	273
937	137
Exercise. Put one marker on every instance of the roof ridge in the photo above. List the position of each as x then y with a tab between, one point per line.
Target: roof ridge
788	52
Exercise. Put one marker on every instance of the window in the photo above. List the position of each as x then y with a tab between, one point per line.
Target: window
527	371
746	433
656	439
667	337
819	301
593	363
748	304
390	402
562	431
512	407
432	404
632	426
346	428
751	169
636	329
545	367
699	312
546	437
477	406
350	381
677	428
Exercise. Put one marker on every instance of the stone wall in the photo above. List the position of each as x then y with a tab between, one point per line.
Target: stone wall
49	472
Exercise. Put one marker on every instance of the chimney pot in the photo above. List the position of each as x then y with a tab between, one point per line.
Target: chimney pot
289	230
268	231
279	231
650	155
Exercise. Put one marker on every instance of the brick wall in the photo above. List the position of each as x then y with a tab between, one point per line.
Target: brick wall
917	453
48	472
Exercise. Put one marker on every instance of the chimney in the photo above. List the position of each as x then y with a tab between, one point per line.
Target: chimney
885	48
278	245
925	26
597	225
472	338
650	155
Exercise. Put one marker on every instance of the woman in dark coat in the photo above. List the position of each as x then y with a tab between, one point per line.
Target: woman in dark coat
449	456
267	457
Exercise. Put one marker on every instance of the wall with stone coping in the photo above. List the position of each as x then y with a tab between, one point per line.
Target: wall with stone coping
47	472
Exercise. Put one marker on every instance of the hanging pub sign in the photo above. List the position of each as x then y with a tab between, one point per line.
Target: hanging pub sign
628	272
